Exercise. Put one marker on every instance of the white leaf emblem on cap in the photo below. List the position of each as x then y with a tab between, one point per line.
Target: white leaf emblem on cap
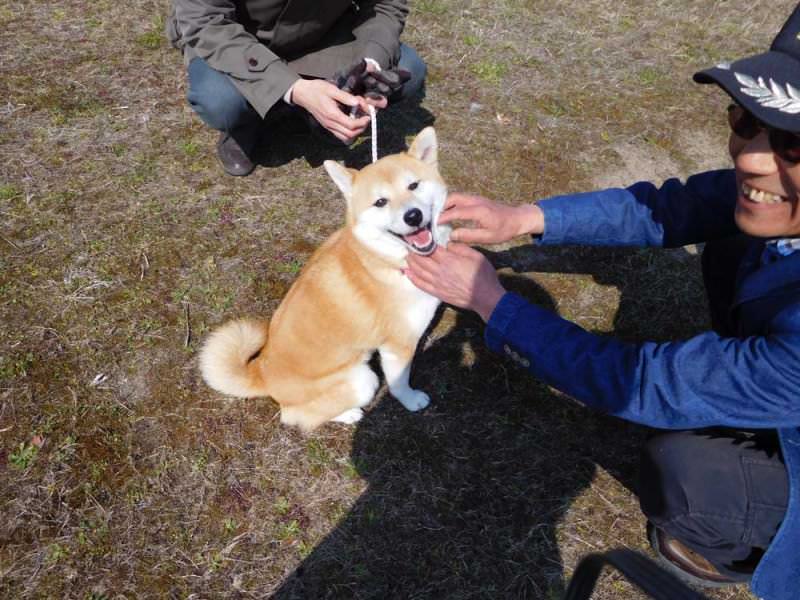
771	96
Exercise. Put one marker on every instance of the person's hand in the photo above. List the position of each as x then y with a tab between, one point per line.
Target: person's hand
493	222
459	276
323	101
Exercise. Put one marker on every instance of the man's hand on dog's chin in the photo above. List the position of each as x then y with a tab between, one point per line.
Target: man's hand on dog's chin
457	275
492	222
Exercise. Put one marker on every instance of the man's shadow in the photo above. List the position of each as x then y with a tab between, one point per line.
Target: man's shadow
465	497
661	297
292	137
661	293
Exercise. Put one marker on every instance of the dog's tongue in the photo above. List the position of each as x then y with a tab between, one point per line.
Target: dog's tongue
420	238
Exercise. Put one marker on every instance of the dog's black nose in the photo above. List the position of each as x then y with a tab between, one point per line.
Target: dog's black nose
413	217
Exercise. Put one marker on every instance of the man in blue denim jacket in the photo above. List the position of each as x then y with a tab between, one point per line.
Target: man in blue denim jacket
723	504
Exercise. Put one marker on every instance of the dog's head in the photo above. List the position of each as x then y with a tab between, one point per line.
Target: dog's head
396	200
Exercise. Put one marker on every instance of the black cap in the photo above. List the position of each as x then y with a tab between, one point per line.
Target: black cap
768	84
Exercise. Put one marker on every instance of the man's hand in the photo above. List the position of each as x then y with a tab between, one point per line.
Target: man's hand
323	101
459	276
493	223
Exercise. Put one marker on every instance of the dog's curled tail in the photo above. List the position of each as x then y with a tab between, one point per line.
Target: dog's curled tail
227	359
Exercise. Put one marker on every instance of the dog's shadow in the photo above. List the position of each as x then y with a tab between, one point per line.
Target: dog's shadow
292	138
465	497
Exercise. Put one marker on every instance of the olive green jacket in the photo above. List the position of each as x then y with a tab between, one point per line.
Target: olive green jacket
265	45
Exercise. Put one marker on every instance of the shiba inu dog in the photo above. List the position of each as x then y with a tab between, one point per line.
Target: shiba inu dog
350	300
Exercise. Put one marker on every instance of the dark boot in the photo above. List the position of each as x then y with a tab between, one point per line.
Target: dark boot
684	562
235	160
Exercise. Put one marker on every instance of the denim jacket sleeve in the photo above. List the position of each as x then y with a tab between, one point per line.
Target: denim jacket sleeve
703	381
676	214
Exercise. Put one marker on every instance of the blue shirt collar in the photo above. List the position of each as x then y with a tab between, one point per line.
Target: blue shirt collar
776	249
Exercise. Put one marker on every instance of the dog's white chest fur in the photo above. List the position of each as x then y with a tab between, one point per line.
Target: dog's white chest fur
420	308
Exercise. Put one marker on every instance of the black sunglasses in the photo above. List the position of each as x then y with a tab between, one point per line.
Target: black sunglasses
747	126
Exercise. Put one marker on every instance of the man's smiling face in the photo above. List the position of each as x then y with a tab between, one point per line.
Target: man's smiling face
768	204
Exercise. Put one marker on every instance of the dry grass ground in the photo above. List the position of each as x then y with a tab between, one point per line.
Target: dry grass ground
121	244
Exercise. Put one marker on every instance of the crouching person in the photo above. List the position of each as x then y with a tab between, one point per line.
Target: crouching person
255	62
722	491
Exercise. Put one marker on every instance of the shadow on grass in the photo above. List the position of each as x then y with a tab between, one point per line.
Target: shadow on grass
293	139
661	293
464	498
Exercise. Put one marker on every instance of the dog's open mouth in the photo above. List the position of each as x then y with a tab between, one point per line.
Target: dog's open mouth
420	241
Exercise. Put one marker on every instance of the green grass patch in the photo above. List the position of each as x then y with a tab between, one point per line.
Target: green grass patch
553	107
56	553
292	266
150	40
432	7
14	367
626	22
23	456
471	40
489	71
9	191
648	76
319	456
154	38
229	525
289	530
8	16
190	148
282	505
64	101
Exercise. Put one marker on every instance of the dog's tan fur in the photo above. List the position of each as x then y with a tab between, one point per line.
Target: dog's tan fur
350	300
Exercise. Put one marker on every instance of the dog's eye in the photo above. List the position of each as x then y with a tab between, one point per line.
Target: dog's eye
413	186
381	202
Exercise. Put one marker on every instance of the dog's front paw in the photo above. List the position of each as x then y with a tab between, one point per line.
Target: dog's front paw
349	417
414	400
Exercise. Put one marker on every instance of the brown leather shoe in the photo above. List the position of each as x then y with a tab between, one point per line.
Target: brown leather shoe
233	158
684	562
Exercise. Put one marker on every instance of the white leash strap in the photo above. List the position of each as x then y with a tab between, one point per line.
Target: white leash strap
374	130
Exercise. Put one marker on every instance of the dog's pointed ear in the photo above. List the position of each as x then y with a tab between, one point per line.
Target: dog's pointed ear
342	177
424	147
